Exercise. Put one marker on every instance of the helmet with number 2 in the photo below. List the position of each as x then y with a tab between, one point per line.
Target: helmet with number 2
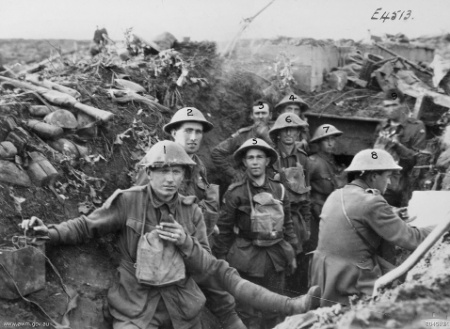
286	120
373	160
255	143
188	114
324	131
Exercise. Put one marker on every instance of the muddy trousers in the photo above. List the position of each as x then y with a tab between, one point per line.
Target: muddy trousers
273	281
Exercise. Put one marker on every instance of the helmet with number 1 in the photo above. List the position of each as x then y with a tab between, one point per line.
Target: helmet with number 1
373	160
188	114
166	153
324	131
255	143
286	120
292	99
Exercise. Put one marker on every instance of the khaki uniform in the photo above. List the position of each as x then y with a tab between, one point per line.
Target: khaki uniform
130	303
343	264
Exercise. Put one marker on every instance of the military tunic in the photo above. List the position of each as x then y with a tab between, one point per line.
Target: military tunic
343	264
124	213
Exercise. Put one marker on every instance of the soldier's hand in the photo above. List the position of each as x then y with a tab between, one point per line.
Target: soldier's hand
172	232
34	223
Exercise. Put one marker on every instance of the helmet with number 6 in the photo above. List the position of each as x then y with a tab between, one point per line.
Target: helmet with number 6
294	100
166	153
188	114
286	120
324	131
373	160
255	143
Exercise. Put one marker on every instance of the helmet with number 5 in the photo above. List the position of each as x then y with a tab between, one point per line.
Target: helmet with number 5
286	120
188	114
255	143
166	153
373	160
324	131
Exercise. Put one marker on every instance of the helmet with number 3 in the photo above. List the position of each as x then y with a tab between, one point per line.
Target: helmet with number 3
373	159
255	143
188	114
286	120
324	131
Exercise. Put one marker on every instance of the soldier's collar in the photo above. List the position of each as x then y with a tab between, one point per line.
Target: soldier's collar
253	183
156	203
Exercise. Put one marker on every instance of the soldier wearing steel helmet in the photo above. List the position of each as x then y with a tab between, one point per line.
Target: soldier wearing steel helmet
292	103
354	220
324	174
292	168
256	231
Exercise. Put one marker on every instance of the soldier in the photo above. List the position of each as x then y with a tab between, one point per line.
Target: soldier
256	231
323	175
292	168
186	128
292	103
261	114
354	219
403	137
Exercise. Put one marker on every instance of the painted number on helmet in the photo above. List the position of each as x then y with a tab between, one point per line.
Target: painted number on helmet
254	141
261	105
189	113
374	155
292	98
394	96
288	119
326	128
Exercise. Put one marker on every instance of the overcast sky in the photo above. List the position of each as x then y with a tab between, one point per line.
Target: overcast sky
219	20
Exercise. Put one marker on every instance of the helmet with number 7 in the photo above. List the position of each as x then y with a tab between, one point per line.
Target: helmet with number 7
373	160
286	120
324	131
255	143
188	114
166	153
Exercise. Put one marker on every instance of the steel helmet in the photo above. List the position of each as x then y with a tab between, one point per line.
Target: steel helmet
166	153
62	118
373	159
187	114
324	131
255	143
292	99
286	120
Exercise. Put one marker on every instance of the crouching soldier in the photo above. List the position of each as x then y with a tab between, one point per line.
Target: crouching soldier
292	169
256	231
146	295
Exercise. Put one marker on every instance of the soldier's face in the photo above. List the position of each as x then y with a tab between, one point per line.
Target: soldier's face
288	136
291	108
327	144
189	135
166	181
381	181
261	115
256	161
394	109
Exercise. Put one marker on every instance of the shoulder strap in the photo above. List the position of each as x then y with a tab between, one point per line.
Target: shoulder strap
145	203
250	197
362	237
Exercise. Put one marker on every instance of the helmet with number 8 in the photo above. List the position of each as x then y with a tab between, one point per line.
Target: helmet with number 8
373	160
166	153
324	131
188	114
286	120
255	143
294	100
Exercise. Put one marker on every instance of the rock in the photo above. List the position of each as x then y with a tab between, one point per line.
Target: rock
10	173
7	150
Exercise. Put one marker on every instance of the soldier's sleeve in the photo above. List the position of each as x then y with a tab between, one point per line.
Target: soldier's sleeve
221	153
289	234
226	222
418	142
383	220
109	218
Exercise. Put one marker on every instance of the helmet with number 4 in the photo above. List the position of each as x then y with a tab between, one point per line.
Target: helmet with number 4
373	159
188	114
286	120
294	100
255	143
166	153
324	131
